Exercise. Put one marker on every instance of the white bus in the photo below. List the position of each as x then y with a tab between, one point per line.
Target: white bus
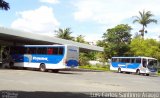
138	65
44	57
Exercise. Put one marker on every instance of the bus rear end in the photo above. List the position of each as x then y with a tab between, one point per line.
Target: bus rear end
72	57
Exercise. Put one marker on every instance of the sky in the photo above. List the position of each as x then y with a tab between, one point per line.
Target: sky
90	18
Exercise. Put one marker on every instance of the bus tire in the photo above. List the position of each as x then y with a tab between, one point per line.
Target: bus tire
138	72
119	70
42	67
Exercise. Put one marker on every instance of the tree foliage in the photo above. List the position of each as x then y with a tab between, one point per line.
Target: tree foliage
64	34
144	19
118	34
83	59
80	39
4	5
117	40
147	47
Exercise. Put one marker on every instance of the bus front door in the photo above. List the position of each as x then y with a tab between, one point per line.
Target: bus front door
144	65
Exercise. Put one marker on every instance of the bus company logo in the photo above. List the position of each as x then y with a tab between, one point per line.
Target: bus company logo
73	50
40	58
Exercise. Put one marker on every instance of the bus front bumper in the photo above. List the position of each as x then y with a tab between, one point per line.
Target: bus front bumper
153	73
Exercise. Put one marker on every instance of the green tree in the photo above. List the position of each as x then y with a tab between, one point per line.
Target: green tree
144	19
147	47
101	43
64	34
117	40
4	5
83	59
118	34
80	39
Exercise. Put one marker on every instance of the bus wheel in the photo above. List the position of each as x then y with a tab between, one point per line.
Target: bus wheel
119	70
138	72
42	67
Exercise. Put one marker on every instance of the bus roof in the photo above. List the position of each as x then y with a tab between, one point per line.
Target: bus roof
136	57
42	45
57	45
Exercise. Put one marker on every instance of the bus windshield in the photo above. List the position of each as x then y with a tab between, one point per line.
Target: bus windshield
152	63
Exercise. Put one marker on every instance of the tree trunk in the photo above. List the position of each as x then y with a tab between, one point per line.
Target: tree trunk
142	32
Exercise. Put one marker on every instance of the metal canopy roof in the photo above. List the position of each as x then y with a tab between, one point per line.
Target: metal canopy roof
27	38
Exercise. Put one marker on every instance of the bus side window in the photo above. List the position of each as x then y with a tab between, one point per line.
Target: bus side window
61	50
120	59
50	51
55	50
32	50
138	60
132	60
27	50
127	60
123	60
115	60
42	50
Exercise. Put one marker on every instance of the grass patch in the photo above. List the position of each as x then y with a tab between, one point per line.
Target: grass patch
96	67
158	71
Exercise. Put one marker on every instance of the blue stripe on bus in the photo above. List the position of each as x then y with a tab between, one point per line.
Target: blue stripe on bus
126	65
52	59
133	65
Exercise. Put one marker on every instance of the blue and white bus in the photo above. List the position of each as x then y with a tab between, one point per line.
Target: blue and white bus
43	57
138	65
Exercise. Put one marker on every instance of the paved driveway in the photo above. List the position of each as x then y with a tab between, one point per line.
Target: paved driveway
76	81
